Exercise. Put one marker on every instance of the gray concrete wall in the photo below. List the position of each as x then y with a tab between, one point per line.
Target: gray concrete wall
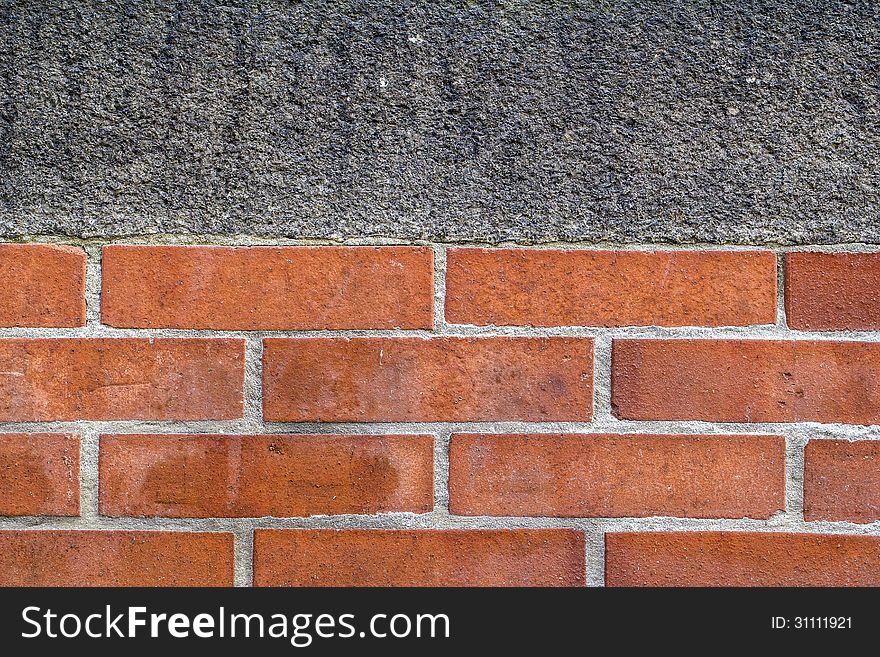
639	121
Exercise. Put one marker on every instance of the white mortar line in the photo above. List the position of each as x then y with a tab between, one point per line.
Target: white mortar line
794	474
441	471
595	556
602	412
207	239
253	385
781	319
758	332
440	289
243	554
88	467
442	520
598	426
93	287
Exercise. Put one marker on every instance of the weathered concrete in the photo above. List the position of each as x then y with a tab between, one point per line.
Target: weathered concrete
636	121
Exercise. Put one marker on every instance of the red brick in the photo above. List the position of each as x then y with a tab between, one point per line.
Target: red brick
39	474
249	476
521	557
746	380
423	380
842	480
115	558
266	288
120	378
550	287
741	559
617	476
43	286
832	291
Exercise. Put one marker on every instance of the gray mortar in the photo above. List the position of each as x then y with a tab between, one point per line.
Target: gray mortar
745	121
796	434
89	443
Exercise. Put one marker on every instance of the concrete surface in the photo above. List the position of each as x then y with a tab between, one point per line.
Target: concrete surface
641	121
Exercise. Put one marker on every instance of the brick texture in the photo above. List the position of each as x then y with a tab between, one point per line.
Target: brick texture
235	386
115	558
282	475
43	286
524	557
120	379
617	476
832	291
842	480
39	474
418	380
550	287
746	380
265	288
741	559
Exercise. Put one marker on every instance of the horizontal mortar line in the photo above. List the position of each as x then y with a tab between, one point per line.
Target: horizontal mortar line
601	426
209	239
781	523
754	332
683	427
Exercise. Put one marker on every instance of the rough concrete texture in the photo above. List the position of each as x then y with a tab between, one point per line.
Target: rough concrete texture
637	121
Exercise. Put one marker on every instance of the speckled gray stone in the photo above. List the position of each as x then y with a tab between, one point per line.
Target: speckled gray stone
632	121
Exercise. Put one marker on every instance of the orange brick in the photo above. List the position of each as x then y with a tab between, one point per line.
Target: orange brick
741	559
423	380
39	474
521	557
120	379
115	558
248	476
842	480
746	380
43	285
617	476
266	288
832	291
551	287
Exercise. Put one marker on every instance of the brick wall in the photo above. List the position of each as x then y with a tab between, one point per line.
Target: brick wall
433	415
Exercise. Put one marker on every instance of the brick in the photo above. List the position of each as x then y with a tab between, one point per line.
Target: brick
551	287
423	380
115	558
842	480
740	559
39	474
521	557
249	476
266	288
43	286
832	291
746	380
120	379
617	476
